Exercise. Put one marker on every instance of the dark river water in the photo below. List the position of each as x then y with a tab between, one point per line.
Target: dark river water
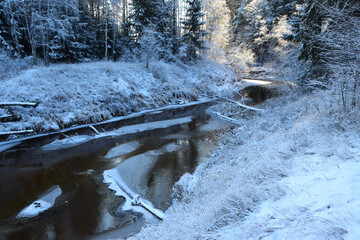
86	207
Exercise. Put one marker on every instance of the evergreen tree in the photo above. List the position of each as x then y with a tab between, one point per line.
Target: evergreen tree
80	47
154	19
252	25
11	23
280	8
308	22
168	43
5	36
193	38
145	13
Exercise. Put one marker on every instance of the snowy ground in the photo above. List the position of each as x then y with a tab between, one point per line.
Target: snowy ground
291	172
70	94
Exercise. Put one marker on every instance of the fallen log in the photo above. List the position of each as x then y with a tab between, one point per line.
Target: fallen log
242	105
227	118
136	201
94	129
16	132
22	104
6	117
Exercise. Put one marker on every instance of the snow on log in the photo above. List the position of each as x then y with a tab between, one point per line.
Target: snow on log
94	129
136	201
22	104
5	117
16	132
227	118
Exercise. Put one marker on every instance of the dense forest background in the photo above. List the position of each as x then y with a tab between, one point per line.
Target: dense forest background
304	39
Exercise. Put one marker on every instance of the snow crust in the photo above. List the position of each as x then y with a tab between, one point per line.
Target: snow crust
291	172
42	204
91	92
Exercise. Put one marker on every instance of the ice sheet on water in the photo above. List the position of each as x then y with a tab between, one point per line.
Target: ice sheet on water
171	147
42	204
118	185
122	149
77	140
153	125
8	145
66	142
135	171
130	178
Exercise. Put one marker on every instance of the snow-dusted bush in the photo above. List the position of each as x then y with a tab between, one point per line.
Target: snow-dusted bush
240	57
10	67
89	92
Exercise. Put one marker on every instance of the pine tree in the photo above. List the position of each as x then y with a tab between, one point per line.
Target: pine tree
193	38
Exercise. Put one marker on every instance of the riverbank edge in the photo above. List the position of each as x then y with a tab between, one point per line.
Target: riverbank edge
145	116
73	94
255	185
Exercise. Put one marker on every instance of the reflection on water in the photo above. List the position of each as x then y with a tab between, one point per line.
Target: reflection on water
86	206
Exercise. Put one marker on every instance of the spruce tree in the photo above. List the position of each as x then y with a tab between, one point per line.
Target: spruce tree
308	22
166	35
145	13
5	36
80	47
11	37
193	38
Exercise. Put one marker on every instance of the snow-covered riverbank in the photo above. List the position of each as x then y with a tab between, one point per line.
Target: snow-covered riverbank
289	173
70	94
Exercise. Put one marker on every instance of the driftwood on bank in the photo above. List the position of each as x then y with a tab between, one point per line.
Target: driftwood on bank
10	117
242	105
6	117
21	104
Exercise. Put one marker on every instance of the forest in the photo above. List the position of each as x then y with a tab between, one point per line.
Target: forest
314	33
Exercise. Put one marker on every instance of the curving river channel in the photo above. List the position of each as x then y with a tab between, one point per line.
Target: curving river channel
60	189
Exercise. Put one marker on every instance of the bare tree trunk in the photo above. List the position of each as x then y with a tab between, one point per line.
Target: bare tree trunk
124	14
46	42
174	17
33	51
113	43
106	37
33	43
354	95
343	95
92	9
